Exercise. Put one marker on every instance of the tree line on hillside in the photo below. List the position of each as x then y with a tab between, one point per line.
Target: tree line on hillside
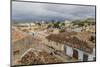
81	23
57	24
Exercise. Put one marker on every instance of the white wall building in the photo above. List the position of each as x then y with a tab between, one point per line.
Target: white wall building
80	55
72	47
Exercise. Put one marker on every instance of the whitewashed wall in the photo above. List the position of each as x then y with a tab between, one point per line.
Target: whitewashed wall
80	55
69	51
91	56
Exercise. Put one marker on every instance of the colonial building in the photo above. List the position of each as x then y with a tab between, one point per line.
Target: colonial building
72	46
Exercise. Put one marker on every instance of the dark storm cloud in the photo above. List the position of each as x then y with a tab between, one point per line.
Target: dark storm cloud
41	11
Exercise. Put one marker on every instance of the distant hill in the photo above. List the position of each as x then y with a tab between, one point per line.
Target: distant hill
88	21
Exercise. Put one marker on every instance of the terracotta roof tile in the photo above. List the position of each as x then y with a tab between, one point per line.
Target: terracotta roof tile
70	40
37	57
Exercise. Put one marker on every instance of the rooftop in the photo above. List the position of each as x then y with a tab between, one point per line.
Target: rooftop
70	39
37	57
17	35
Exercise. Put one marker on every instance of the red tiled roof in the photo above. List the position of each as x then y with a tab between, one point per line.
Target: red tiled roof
17	35
70	40
33	56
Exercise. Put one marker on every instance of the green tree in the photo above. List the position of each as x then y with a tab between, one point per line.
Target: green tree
56	25
62	24
62	30
49	26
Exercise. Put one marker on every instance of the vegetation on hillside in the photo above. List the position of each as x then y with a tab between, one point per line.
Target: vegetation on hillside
81	23
57	24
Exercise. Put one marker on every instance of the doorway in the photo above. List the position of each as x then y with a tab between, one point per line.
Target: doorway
85	57
75	54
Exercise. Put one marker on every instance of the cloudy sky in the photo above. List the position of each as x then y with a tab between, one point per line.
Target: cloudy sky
42	11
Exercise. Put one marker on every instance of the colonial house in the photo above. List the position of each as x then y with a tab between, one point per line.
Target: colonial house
72	46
